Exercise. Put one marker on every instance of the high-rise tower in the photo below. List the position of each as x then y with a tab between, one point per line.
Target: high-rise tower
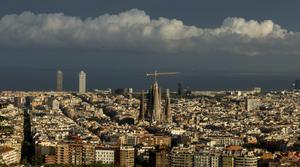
168	114
59	81
82	82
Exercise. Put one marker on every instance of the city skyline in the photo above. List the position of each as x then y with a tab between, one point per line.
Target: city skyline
132	83
189	128
46	80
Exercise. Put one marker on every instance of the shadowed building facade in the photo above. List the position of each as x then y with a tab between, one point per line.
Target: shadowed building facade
159	157
142	106
126	155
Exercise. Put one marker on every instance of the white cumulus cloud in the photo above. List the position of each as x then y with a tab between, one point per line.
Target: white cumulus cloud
134	30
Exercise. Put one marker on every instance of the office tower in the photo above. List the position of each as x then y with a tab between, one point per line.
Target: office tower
59	81
168	114
126	156
82	82
142	106
180	90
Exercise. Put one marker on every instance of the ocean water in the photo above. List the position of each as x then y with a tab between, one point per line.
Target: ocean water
45	79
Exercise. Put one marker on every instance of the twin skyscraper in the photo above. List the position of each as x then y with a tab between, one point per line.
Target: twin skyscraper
60	78
82	82
59	81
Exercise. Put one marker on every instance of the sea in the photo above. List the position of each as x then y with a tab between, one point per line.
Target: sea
45	80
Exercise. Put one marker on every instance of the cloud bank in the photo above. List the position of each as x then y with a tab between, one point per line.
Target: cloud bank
134	30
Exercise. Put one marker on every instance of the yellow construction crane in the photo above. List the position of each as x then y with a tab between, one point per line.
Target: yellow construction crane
156	74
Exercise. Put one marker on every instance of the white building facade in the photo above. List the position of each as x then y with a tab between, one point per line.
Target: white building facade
105	156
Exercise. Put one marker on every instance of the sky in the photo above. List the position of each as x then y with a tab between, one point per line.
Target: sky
193	35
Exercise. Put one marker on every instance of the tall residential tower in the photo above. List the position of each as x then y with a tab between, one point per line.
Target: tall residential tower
82	82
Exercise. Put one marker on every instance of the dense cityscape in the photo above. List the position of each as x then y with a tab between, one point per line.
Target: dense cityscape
79	86
155	127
